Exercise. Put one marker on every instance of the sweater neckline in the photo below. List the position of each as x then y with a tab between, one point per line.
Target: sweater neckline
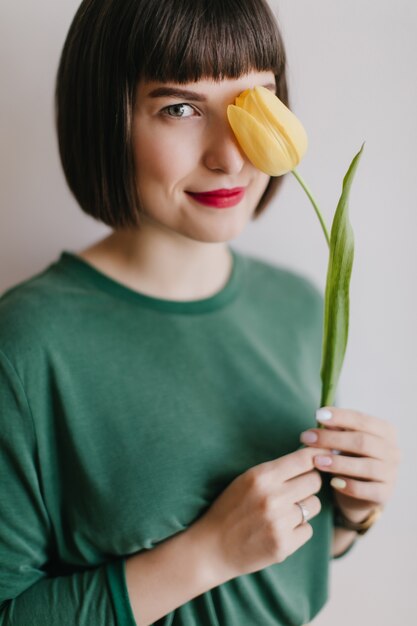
88	273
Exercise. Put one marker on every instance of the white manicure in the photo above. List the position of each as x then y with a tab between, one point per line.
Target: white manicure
322	415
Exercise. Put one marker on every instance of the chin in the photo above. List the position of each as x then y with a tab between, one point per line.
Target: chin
218	234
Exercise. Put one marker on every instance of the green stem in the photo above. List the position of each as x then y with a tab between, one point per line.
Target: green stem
314	203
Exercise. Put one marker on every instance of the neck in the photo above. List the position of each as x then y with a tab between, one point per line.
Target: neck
162	266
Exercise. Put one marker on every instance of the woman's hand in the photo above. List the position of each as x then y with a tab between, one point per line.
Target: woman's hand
368	459
255	521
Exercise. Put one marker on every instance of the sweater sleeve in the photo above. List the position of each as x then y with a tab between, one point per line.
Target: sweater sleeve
28	593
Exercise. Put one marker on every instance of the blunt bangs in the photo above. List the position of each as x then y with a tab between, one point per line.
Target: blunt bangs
110	46
186	41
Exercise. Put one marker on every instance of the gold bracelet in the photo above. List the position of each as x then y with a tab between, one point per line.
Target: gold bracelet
361	527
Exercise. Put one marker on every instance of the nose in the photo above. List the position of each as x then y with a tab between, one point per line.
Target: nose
222	152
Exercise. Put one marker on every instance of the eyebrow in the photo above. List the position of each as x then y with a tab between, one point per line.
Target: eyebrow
161	92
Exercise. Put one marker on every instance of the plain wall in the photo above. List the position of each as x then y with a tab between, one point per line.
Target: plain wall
352	76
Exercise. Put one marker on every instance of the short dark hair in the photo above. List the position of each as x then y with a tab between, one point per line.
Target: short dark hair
111	44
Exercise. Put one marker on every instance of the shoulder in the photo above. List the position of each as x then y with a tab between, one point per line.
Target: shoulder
29	310
270	281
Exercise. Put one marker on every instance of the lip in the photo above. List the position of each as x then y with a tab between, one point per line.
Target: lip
219	198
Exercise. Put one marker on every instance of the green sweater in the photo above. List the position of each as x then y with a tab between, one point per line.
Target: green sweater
123	417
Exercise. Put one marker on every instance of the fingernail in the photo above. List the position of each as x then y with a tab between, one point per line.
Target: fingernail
323	460
339	483
308	437
323	415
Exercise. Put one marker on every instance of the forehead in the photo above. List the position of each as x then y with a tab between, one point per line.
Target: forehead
206	89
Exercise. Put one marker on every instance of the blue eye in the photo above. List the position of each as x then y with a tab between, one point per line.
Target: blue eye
178	110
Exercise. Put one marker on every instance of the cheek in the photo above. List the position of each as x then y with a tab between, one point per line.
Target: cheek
163	156
260	183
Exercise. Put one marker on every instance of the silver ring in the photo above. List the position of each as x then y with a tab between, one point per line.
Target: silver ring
305	512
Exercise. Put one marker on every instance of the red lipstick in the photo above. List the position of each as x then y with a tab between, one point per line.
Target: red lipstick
219	198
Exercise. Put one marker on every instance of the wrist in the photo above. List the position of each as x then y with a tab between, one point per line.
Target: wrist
358	521
174	572
355	516
211	565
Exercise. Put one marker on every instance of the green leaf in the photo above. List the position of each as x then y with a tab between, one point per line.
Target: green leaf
336	299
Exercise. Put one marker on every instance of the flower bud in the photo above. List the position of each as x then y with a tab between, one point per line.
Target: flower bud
272	137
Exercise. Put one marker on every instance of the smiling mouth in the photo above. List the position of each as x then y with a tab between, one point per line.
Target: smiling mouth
223	193
219	198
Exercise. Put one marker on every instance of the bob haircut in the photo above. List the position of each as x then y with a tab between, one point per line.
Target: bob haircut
110	46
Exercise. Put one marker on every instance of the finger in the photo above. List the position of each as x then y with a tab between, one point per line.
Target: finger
374	492
313	506
357	420
368	469
291	465
299	488
356	442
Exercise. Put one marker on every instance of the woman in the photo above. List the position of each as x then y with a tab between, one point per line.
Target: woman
154	386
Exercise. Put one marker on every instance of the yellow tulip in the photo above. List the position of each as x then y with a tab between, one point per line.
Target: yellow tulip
274	140
272	137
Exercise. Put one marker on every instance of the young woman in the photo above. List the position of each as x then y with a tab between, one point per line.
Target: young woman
154	386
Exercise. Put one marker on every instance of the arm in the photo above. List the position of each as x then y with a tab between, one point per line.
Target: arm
121	592
125	592
27	594
171	574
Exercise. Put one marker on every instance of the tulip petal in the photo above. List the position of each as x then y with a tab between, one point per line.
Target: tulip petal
241	100
264	152
253	106
281	119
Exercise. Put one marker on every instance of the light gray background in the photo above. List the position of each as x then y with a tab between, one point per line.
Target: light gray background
352	76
